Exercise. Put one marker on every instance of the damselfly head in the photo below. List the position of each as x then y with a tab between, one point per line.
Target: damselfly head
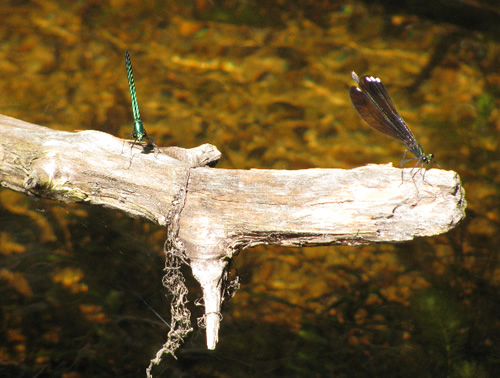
427	158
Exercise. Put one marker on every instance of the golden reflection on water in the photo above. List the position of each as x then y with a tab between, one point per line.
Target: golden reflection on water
268	86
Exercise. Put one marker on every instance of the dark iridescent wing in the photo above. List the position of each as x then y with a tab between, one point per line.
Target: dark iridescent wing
374	87
371	113
374	105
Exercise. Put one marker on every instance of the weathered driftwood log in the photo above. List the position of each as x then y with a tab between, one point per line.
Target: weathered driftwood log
225	210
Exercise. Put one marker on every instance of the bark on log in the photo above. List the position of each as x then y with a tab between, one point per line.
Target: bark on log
225	210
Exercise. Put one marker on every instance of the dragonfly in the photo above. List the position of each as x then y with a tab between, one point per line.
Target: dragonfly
139	132
372	102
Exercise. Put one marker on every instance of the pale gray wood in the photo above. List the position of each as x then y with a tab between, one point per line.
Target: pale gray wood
229	210
318	206
95	167
220	211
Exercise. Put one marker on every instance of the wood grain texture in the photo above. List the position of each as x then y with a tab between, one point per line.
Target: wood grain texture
96	168
242	208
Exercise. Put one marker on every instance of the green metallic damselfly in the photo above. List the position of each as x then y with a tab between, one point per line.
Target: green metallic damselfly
139	133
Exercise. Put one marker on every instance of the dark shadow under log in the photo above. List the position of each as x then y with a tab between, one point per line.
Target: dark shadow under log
224	211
